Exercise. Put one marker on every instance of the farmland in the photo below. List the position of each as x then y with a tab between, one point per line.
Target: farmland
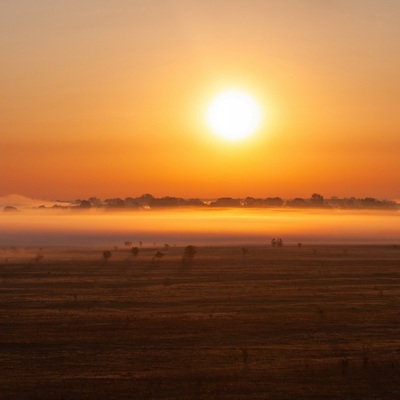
310	322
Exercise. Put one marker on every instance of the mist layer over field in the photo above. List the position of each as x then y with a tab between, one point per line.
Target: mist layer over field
201	227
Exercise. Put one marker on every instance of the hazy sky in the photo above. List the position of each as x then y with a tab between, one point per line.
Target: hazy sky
108	98
199	227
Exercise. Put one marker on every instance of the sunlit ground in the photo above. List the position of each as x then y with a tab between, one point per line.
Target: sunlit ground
200	227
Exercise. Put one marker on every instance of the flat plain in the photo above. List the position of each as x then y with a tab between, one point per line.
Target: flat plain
310	322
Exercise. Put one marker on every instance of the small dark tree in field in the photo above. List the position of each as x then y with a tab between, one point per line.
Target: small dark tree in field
299	245
245	250
166	246
127	244
39	257
106	255
321	314
276	242
158	256
365	356
135	251
188	255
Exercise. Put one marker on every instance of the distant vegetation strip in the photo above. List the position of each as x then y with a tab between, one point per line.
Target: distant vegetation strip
148	201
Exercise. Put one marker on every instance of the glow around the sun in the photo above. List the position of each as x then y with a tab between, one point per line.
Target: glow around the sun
234	115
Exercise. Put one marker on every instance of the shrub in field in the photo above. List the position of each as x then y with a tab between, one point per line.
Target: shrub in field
135	251
365	356
39	257
277	242
188	255
158	256
245	250
106	255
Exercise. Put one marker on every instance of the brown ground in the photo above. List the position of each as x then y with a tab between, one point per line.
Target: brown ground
285	323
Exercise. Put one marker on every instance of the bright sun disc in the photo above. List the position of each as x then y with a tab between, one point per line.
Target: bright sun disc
234	115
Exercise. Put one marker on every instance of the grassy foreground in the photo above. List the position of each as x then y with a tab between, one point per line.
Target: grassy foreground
280	323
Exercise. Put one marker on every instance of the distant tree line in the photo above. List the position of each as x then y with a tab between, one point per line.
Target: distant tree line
149	201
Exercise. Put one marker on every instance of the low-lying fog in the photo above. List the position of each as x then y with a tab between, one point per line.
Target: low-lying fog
198	226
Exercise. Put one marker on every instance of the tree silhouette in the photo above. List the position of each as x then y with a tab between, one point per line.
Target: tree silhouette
276	242
85	204
135	251
158	256
114	203
106	255
245	250
317	200
39	257
188	255
273	202
297	202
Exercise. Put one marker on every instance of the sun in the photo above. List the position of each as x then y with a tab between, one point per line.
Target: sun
234	115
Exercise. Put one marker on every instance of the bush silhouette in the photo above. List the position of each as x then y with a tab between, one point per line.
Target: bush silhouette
135	251
188	255
158	256
106	255
39	257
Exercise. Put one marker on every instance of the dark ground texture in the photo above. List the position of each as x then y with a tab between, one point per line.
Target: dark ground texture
280	323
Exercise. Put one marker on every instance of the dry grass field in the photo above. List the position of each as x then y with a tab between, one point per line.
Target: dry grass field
283	323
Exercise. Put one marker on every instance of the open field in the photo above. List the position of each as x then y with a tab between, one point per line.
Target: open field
317	322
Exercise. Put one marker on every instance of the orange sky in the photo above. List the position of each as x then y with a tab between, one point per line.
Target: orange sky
108	99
